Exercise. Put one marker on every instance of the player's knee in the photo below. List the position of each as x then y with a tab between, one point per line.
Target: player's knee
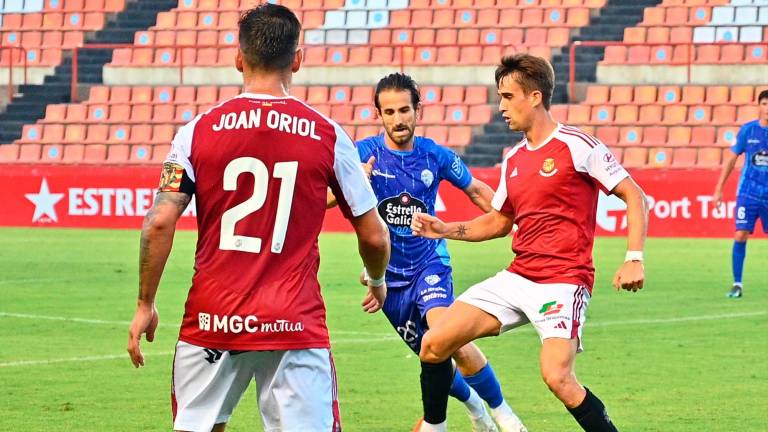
741	236
431	350
557	379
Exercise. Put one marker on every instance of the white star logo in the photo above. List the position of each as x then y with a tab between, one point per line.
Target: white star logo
44	202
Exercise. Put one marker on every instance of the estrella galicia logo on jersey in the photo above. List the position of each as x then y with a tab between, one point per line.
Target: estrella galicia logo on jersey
212	355
427	177
760	159
548	168
550	308
398	211
432	279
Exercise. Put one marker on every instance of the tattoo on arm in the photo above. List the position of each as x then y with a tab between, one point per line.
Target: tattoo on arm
461	231
177	199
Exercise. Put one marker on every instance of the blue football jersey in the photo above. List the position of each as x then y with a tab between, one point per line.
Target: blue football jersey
406	183
752	140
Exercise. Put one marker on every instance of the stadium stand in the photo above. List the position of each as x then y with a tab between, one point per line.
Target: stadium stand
73	22
135	97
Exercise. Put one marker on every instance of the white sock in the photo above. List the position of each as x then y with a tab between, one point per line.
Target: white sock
429	427
502	411
475	404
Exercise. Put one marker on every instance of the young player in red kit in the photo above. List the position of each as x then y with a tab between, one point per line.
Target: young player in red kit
549	188
259	166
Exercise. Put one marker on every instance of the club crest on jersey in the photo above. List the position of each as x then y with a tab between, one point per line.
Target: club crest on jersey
427	177
548	168
397	211
432	279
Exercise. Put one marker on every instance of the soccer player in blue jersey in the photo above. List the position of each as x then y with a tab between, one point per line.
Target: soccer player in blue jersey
405	174
752	195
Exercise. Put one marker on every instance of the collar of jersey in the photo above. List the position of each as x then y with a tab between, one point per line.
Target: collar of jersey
546	141
263	96
398	152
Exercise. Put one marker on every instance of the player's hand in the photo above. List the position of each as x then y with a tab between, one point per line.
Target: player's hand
717	198
368	166
363	278
424	225
630	276
144	321
374	300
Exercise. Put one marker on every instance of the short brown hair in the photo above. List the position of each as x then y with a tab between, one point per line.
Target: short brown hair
269	36
531	73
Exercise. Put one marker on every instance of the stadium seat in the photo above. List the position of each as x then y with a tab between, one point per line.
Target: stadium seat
597	94
94	153
9	153
73	153
459	136
29	153
635	157
659	157
654	136
678	136
608	135
709	157
684	157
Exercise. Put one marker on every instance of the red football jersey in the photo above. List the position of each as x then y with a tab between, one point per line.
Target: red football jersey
551	192
261	166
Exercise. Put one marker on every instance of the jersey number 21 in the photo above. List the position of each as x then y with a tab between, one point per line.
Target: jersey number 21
286	172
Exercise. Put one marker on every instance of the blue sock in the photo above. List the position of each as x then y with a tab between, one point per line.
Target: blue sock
459	387
487	386
737	257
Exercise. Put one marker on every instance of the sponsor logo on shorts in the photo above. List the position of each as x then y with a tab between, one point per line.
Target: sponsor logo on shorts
432	293
249	323
432	279
550	308
561	325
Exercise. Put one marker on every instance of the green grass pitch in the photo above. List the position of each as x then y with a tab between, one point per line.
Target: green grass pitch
677	356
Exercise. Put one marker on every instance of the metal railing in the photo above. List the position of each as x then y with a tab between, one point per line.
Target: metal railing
11	66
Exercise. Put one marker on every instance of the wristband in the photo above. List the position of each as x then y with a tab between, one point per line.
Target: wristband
374	282
633	256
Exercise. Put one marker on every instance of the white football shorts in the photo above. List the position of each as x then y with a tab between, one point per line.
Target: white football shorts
556	310
296	389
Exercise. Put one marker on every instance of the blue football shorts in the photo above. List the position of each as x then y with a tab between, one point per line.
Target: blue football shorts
748	211
406	307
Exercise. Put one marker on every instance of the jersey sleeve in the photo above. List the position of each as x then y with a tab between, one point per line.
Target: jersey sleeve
601	165
178	174
500	202
364	150
453	169
740	144
350	186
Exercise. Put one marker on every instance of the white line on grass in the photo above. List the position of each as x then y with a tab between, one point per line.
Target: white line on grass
335	341
127	323
125	355
77	359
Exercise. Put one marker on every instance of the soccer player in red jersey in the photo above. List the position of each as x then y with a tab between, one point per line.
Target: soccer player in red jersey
548	188
258	166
